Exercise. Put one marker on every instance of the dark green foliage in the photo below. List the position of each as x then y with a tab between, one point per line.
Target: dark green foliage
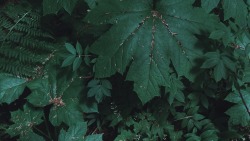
24	46
120	70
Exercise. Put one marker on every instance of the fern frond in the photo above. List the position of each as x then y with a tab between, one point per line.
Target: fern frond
24	45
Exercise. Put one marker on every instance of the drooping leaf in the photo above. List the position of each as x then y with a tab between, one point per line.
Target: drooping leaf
52	7
237	10
74	133
24	122
209	5
151	38
11	87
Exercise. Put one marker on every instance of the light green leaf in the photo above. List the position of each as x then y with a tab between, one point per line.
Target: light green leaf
209	5
69	60
75	132
150	40
77	63
95	137
11	88
70	48
24	121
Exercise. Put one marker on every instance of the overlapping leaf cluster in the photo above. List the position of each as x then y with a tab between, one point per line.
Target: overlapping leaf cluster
134	70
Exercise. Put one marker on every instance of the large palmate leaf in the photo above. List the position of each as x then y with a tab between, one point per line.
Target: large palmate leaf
11	87
147	36
24	122
62	93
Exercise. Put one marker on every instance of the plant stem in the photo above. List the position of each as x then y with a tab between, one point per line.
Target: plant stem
46	125
244	102
41	132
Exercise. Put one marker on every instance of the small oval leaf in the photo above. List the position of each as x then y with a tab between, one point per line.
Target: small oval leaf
68	61
77	63
70	48
79	48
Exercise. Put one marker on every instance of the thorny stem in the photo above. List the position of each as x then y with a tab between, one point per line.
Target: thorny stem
244	102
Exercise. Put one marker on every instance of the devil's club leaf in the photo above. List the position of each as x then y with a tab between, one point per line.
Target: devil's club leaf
10	87
62	93
74	133
147	37
24	121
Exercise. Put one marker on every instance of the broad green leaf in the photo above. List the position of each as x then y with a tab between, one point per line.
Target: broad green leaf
62	92
75	132
70	48
145	41
238	113
236	9
77	62
11	88
79	48
209	5
69	60
24	122
40	93
31	136
69	111
95	137
52	7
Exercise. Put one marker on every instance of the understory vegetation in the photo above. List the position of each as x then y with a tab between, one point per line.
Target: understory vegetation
124	70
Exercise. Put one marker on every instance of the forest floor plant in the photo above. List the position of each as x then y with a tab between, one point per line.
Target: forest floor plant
123	70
